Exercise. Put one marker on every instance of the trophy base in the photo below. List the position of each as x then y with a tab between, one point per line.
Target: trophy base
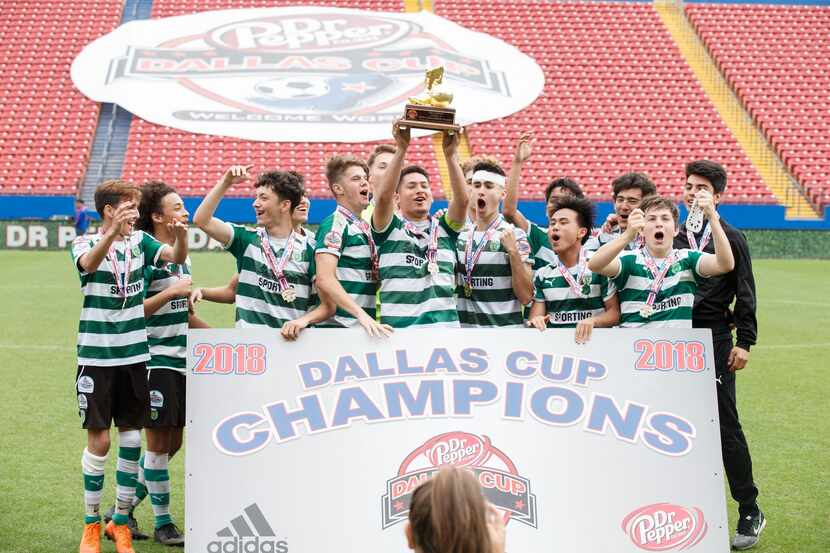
429	117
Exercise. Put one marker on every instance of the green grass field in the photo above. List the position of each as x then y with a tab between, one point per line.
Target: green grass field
783	396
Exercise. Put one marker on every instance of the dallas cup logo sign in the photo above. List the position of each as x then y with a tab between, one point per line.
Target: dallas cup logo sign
299	73
664	526
500	480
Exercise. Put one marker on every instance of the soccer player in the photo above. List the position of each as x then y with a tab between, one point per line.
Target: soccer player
275	263
166	311
657	283
417	252
557	189
346	253
629	190
378	162
111	381
567	294
495	263
713	299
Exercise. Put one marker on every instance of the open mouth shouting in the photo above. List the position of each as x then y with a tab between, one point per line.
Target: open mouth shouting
659	235
481	204
555	237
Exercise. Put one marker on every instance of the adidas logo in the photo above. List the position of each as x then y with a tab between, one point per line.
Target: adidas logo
240	537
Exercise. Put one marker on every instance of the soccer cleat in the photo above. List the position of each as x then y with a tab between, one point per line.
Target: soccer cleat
131	522
168	535
120	534
91	541
749	531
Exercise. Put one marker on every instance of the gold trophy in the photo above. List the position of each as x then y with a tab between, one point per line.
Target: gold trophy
432	112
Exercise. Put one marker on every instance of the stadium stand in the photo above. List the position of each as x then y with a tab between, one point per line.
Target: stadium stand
47	125
776	60
618	97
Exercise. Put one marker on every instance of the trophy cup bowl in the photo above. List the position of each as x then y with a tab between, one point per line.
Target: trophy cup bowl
432	112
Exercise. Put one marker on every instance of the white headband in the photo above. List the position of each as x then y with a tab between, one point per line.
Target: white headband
489	176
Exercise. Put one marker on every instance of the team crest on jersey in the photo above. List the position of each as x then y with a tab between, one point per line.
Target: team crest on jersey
497	474
494	245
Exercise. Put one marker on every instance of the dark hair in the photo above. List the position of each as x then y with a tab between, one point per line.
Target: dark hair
380	149
113	192
151	195
468	164
448	514
337	165
80	200
709	170
659	202
584	209
287	185
566	183
488	166
409	169
633	180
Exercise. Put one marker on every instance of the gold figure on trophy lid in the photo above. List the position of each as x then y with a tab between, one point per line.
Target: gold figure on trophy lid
435	98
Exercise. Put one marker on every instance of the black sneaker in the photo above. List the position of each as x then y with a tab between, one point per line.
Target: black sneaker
169	535
749	531
132	524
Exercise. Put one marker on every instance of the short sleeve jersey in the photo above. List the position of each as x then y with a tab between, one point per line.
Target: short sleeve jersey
167	327
112	330
350	243
259	301
540	249
600	237
565	307
673	304
409	295
492	301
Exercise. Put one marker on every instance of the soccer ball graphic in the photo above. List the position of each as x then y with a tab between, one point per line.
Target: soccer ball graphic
292	88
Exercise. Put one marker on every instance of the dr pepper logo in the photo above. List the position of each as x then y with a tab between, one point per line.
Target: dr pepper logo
497	474
664	526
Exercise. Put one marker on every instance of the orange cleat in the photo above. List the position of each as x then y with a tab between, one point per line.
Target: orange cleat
121	535
91	542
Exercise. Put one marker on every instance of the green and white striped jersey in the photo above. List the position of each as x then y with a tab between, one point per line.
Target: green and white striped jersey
409	295
673	304
600	237
540	249
564	306
346	240
259	301
167	327
492	301
111	329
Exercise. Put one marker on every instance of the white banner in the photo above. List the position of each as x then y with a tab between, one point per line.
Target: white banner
316	446
300	74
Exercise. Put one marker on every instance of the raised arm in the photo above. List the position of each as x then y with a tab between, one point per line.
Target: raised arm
332	291
605	260
520	270
722	261
178	253
510	209
457	211
385	189
204	219
124	215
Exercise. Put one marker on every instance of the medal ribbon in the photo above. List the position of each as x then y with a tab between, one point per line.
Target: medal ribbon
581	267
364	228
122	278
471	253
658	273
707	234
432	243
277	266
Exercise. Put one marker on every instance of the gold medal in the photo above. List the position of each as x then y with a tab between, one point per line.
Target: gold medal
468	290
646	311
289	294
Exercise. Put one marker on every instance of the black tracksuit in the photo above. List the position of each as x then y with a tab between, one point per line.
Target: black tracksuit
712	310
